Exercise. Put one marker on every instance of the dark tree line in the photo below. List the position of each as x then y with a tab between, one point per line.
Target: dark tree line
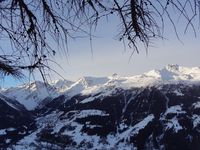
30	26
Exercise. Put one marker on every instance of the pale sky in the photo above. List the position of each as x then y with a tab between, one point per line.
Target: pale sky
109	55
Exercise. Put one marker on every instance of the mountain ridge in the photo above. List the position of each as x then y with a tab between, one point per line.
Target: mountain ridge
30	95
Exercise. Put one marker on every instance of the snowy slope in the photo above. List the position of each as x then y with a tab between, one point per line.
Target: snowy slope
30	95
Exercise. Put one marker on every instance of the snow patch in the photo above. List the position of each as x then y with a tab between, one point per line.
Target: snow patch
3	132
178	92
196	120
87	100
142	124
174	110
173	124
10	129
137	127
196	105
91	112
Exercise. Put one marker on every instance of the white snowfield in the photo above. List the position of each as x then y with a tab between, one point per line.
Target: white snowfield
31	95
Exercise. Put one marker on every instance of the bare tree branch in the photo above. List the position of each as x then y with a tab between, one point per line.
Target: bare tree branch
33	27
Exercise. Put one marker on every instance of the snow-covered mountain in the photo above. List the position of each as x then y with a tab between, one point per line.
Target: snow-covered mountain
159	109
30	95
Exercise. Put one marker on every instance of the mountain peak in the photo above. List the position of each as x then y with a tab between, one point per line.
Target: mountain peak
172	67
61	84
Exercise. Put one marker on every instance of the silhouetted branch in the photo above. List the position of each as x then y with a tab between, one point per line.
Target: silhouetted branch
35	26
